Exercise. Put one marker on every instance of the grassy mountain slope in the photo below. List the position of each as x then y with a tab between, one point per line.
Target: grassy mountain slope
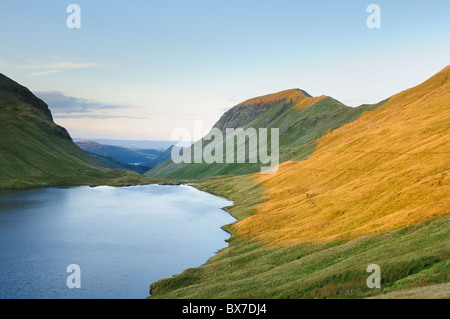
411	257
302	120
161	158
376	190
34	151
388	169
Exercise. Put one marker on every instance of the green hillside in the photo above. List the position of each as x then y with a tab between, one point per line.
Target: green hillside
410	258
34	151
375	191
302	120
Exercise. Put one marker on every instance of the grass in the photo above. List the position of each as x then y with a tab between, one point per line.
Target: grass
301	121
387	170
35	152
375	191
438	291
415	256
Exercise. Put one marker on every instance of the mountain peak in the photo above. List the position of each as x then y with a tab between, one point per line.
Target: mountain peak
304	92
8	86
288	96
244	113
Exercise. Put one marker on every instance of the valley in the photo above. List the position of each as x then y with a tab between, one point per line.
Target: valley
375	190
355	186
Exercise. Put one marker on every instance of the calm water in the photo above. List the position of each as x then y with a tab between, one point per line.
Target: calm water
123	239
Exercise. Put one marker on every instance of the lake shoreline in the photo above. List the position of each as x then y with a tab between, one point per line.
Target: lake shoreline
191	224
411	257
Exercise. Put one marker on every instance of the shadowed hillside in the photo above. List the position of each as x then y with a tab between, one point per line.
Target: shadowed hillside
119	153
34	151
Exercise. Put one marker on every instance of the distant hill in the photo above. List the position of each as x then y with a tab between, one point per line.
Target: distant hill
110	162
131	144
162	157
34	151
139	160
119	153
301	118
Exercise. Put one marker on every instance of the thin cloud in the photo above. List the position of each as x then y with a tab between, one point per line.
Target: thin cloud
62	103
4	64
45	68
59	65
64	106
44	72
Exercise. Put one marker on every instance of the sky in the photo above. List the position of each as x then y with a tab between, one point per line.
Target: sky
140	69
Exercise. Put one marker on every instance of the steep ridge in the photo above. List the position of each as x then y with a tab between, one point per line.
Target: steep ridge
386	170
12	89
248	111
301	119
34	151
375	191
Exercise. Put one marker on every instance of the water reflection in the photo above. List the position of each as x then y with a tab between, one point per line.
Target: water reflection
122	238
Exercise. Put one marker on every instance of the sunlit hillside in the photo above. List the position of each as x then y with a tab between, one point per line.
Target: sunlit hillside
388	169
300	118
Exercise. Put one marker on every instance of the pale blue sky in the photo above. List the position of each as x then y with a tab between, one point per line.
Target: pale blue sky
139	69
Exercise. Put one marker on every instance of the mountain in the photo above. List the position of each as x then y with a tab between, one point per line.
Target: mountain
131	144
301	119
139	160
119	153
160	158
388	169
374	191
34	151
111	162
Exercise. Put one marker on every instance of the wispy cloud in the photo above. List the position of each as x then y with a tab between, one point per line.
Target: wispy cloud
45	68
4	63
61	103
63	106
44	72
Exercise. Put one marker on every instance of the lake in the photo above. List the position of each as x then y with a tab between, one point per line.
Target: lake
122	238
